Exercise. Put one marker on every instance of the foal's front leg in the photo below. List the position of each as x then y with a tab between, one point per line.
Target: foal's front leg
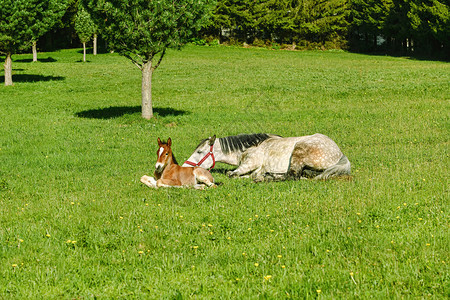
148	181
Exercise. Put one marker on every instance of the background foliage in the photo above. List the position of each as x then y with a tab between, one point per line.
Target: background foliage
393	26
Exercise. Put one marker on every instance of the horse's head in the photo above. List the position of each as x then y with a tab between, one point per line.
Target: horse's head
164	154
203	155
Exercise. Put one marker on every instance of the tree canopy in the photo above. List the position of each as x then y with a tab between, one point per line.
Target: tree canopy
142	29
84	26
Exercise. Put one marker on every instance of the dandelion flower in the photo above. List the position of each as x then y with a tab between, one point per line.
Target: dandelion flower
319	291
279	256
283	266
267	277
47	235
428	244
141	252
256	264
14	265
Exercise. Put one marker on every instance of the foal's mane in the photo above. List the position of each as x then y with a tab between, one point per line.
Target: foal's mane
174	160
241	142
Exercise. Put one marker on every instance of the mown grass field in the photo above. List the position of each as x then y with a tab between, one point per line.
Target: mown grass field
75	222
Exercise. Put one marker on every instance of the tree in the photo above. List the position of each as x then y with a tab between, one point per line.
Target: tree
47	13
15	32
368	21
85	28
142	30
21	21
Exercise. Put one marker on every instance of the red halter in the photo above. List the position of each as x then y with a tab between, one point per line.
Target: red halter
210	153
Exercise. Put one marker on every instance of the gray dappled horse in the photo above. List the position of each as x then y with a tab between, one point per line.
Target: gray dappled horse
271	157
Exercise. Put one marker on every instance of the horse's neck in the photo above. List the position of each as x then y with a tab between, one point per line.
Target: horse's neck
172	161
228	158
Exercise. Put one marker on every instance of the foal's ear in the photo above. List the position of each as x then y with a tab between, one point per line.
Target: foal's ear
169	142
212	140
159	141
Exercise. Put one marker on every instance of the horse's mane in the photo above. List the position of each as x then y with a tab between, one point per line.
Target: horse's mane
242	142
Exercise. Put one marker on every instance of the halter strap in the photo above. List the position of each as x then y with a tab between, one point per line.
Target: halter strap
210	153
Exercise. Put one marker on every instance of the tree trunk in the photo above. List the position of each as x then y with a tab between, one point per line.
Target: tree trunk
95	44
34	49
8	70
84	52
147	110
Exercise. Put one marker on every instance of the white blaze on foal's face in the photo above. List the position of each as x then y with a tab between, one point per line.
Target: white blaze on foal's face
159	164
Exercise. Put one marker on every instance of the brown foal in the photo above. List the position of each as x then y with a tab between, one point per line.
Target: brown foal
169	174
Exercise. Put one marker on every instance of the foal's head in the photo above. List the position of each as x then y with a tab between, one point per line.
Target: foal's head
164	154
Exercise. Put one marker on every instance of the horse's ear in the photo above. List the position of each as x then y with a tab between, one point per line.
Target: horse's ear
159	141
212	140
169	142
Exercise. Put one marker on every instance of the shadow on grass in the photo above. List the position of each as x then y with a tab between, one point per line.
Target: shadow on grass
118	111
32	78
44	60
222	171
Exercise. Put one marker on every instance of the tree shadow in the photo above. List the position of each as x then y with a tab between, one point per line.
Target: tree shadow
32	78
118	111
43	60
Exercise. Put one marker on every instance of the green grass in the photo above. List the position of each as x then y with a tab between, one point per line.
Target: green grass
76	223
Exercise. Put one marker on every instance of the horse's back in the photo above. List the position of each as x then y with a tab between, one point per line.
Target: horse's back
279	154
317	152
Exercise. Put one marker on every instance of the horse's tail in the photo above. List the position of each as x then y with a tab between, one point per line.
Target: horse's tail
341	168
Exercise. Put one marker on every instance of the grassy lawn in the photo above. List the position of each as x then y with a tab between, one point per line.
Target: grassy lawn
75	222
